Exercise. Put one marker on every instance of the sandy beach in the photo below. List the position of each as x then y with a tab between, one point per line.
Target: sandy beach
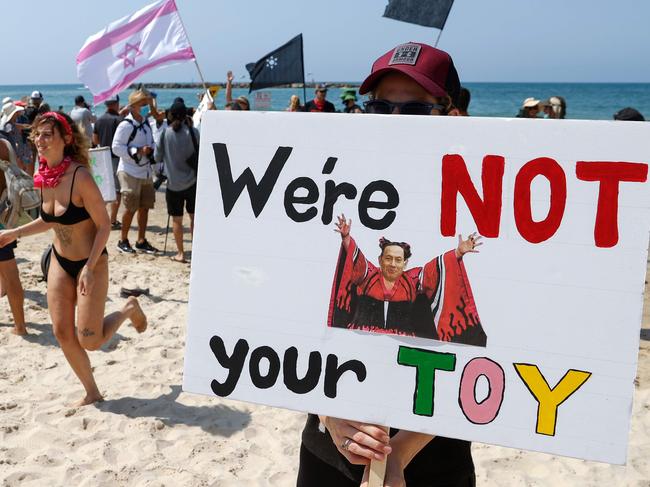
148	433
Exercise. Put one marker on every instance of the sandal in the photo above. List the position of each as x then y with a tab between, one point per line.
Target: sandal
125	293
180	261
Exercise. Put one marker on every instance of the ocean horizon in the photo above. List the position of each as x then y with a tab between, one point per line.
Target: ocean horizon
585	101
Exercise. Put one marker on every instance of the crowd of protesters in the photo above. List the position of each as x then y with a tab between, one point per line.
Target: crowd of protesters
31	132
149	147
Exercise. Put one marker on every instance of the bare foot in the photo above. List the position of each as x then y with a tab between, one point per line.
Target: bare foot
136	315
178	258
89	399
19	330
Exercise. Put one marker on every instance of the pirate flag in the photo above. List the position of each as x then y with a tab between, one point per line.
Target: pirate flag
280	67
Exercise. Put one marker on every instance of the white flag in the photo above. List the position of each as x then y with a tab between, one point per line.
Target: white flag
207	103
115	57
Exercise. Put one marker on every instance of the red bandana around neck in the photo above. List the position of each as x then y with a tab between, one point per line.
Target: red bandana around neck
320	104
48	177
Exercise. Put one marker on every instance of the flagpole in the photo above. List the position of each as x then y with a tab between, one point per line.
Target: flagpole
437	38
302	59
196	63
205	86
443	25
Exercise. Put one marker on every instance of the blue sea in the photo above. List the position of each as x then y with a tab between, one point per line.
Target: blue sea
587	101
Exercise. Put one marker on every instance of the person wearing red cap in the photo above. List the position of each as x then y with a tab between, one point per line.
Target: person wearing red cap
413	79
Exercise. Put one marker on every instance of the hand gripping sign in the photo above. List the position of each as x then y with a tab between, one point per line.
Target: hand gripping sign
398	317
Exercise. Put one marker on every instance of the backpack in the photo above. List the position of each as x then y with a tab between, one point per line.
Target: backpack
193	160
135	130
19	195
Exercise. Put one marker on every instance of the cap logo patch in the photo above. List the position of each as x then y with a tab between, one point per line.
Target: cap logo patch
405	54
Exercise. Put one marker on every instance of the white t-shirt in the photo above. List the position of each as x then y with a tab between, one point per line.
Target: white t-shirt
124	149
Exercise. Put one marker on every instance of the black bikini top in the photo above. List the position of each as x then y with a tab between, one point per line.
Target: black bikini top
72	214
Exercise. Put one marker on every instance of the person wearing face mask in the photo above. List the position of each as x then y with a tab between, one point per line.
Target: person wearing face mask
411	79
133	143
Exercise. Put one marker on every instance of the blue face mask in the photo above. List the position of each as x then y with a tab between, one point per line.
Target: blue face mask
145	111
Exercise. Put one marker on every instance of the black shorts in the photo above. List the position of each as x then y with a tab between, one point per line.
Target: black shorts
176	199
7	252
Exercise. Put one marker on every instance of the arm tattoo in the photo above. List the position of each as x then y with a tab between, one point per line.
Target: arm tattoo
87	332
64	232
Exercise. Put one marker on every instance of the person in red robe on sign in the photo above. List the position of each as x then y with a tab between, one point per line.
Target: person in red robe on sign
434	301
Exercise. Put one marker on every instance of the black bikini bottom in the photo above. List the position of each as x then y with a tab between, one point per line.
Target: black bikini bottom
72	267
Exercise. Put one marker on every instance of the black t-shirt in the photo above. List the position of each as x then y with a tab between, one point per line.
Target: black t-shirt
446	460
353	109
310	106
105	128
30	113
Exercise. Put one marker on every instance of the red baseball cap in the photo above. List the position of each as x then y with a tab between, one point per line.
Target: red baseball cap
431	68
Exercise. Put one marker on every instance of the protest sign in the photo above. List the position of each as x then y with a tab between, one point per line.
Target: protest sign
102	171
530	343
262	100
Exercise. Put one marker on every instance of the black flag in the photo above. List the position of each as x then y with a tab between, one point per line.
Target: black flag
280	67
430	13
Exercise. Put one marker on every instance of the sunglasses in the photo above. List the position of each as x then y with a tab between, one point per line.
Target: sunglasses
386	107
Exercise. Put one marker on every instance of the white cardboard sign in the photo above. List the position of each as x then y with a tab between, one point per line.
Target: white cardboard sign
101	167
531	343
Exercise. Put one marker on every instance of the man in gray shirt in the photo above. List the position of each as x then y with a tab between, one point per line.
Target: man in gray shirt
82	116
177	144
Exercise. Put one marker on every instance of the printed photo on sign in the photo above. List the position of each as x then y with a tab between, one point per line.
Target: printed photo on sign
434	301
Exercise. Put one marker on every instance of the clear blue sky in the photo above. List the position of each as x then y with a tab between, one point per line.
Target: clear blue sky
490	40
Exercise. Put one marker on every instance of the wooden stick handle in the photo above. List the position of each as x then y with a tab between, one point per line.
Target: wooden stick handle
377	471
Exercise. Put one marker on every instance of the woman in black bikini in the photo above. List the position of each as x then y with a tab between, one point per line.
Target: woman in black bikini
78	274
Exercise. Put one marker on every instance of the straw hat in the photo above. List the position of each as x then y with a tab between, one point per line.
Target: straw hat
530	102
139	97
9	109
